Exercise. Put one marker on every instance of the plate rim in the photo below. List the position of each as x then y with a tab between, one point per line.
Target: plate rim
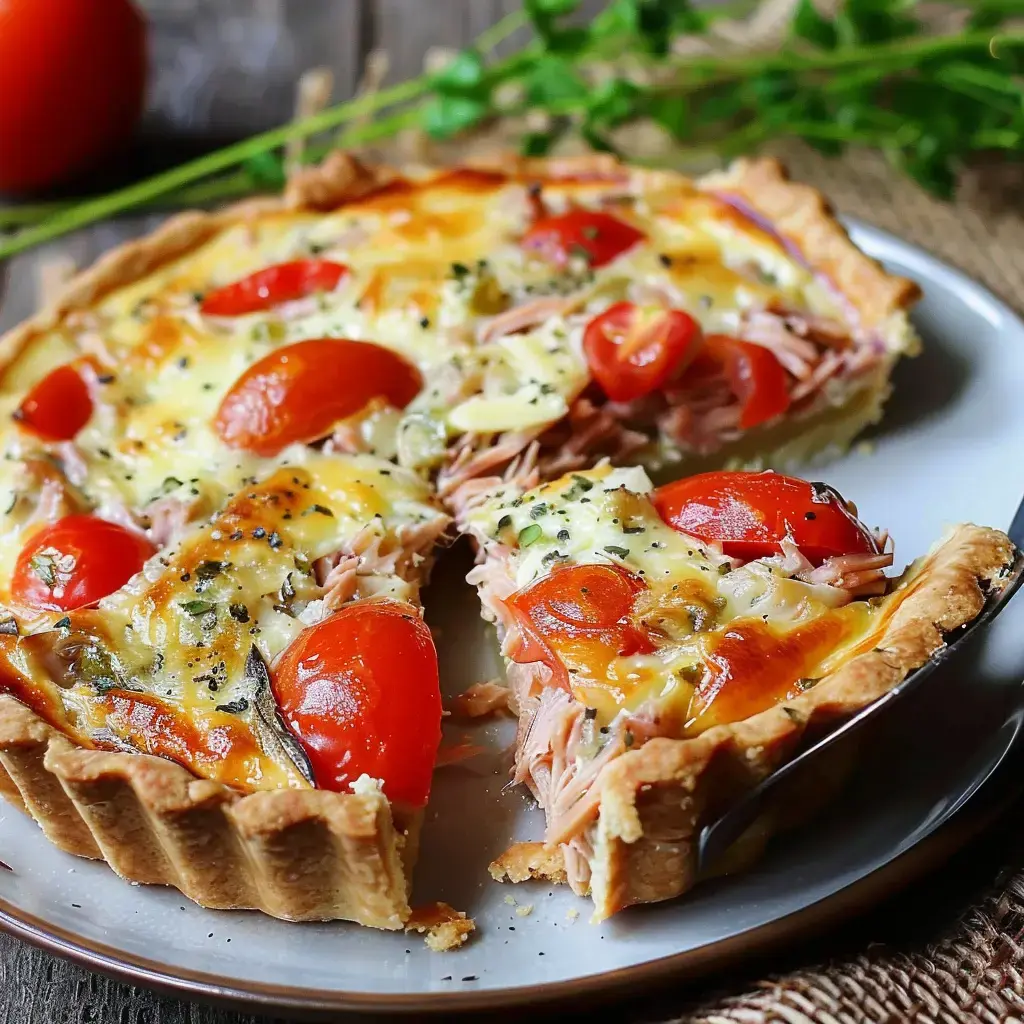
946	835
932	849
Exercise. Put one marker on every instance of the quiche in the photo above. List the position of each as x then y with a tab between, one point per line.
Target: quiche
232	448
668	648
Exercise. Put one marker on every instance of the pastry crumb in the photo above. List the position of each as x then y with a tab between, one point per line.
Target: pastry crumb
525	910
523	861
443	927
571	914
510	901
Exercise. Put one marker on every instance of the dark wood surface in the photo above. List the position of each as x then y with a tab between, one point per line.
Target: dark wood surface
227	67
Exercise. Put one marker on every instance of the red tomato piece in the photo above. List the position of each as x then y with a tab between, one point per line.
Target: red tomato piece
597	236
582	610
75	562
750	513
632	351
755	376
58	406
72	77
273	286
299	392
360	691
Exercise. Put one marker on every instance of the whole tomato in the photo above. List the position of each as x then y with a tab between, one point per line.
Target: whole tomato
72	77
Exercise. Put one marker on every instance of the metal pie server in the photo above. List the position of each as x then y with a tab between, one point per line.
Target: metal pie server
717	837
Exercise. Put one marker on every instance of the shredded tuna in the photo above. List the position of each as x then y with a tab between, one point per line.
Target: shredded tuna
822	330
456	753
771	331
167	518
473	458
54	499
76	469
590	430
372	562
480	700
851	572
831	364
528	314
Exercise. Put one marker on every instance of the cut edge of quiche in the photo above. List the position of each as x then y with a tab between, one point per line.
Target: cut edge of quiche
625	808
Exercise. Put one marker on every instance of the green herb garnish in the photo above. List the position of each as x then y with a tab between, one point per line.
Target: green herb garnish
529	535
322	510
42	565
197	608
238	612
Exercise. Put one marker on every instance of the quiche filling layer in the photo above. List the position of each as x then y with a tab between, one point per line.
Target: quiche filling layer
176	662
618	628
489	288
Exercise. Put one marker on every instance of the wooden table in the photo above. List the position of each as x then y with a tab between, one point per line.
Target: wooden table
224	68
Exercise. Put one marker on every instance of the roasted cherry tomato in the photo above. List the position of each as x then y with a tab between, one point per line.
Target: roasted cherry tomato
72	74
299	392
273	286
581	611
599	237
58	406
360	691
750	513
754	374
632	351
75	562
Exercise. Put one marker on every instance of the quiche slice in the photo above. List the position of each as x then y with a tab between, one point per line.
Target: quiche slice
246	708
668	648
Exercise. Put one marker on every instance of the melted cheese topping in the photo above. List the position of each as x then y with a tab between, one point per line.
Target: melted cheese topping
727	642
160	665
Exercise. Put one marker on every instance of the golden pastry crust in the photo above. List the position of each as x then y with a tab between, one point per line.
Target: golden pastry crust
655	800
298	855
802	215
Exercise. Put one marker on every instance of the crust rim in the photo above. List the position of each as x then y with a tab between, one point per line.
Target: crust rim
655	800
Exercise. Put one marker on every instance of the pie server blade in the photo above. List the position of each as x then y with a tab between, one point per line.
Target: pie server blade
718	836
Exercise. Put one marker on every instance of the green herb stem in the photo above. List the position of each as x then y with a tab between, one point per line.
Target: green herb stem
822	85
910	51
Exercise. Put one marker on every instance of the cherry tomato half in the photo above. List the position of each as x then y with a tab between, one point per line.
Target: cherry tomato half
597	236
633	351
755	376
75	562
299	392
583	611
273	286
750	513
360	691
72	74
58	406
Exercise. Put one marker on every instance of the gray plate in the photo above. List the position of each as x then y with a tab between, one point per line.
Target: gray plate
948	451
